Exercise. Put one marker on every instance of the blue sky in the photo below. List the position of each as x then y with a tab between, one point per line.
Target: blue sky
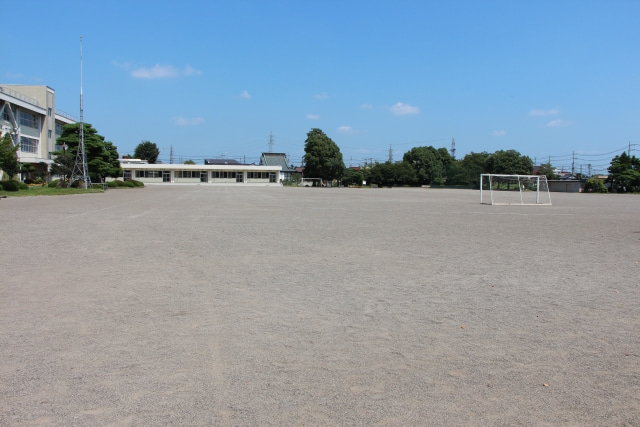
213	78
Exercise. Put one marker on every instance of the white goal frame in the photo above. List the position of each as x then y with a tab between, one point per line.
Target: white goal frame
497	189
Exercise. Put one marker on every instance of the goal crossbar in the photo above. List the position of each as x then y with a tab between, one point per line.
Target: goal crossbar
502	189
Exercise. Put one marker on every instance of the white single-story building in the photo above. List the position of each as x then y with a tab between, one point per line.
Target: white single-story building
236	174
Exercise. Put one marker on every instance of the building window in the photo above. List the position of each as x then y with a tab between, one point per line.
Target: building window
49	132
58	128
188	174
28	145
148	174
29	120
49	112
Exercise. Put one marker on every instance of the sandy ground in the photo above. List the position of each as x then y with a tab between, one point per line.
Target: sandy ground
203	305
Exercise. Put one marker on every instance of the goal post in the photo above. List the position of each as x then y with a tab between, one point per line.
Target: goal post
496	189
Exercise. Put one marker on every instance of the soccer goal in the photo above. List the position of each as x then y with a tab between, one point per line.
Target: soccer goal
514	190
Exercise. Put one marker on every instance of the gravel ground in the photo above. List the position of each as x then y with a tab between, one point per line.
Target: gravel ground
211	305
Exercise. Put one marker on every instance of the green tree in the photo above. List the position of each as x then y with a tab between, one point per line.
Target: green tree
189	162
352	177
148	151
102	156
393	174
322	158
595	185
63	164
509	162
429	163
9	156
624	173
467	170
547	170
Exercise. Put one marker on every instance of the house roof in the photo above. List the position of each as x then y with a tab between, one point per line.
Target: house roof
276	159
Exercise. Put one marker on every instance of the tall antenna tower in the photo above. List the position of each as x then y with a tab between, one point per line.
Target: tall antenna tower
79	172
271	142
453	148
390	154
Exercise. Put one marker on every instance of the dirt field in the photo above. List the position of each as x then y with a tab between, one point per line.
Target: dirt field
203	305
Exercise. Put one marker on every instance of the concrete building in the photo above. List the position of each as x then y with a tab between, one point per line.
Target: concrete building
29	114
223	174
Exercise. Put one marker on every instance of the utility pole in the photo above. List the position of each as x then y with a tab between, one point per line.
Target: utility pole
171	155
79	172
573	161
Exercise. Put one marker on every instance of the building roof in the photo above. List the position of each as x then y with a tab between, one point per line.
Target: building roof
221	162
276	159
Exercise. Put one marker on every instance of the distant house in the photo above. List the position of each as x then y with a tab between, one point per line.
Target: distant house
278	159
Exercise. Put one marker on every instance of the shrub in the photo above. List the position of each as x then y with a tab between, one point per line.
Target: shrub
9	185
112	184
594	185
129	184
29	181
54	183
23	186
137	183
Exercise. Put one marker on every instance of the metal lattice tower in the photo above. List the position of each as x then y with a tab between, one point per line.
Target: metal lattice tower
453	148
271	142
79	172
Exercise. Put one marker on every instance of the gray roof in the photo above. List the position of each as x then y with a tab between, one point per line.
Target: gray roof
222	162
276	159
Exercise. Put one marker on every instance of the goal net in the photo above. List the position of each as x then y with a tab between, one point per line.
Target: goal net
514	190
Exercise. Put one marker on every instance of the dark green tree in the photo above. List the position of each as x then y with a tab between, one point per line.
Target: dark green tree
595	185
467	170
393	174
63	164
624	173
322	158
148	151
429	163
547	170
509	162
9	157
352	177
102	156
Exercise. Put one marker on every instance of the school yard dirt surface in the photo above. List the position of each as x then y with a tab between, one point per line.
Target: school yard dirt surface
204	305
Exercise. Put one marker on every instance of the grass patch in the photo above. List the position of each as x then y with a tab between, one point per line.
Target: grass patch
46	191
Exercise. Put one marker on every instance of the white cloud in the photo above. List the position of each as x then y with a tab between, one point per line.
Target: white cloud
550	112
345	129
401	109
190	71
313	116
245	95
122	65
159	71
557	123
322	95
156	72
186	121
498	133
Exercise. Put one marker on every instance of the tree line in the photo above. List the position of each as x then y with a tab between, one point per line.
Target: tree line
435	166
